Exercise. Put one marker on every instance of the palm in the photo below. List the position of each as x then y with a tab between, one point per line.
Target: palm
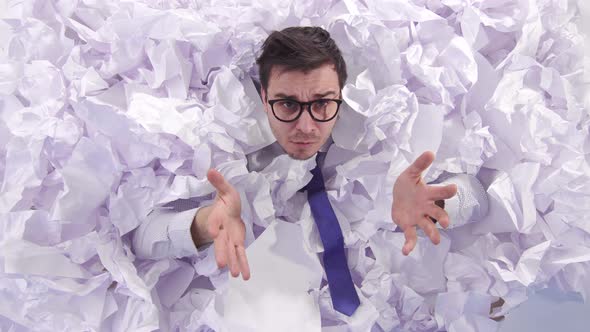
228	207
408	193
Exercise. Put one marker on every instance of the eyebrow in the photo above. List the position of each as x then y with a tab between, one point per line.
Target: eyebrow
317	95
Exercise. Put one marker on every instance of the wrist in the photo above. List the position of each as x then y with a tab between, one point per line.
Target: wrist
199	229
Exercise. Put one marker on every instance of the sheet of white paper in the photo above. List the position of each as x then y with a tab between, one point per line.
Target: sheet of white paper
277	295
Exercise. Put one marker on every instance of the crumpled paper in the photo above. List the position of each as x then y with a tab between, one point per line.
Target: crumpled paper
110	108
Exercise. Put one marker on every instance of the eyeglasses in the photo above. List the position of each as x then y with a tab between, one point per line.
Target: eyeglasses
289	110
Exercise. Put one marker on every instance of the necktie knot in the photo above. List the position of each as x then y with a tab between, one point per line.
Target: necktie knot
317	181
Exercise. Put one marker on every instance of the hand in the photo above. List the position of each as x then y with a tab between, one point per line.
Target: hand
414	203
226	228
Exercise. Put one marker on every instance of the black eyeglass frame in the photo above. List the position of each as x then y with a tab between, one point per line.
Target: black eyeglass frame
302	107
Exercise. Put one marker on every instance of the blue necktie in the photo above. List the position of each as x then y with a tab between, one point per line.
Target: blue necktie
344	296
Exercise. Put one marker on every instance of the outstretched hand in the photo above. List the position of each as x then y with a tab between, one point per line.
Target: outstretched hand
414	203
226	227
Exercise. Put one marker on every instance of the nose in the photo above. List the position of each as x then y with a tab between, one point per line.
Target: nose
306	123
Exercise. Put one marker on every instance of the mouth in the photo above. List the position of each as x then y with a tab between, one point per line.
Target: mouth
303	143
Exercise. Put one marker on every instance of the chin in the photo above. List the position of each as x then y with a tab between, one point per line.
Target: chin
298	153
301	156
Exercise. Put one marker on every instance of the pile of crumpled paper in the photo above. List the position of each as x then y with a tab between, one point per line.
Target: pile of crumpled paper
109	108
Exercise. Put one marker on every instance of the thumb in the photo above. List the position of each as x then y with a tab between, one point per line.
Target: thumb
421	164
219	182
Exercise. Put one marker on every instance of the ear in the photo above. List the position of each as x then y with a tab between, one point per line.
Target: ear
263	96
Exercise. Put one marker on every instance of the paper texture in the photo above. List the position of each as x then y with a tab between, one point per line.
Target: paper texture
109	109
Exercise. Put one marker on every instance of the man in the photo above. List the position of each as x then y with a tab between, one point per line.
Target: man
302	74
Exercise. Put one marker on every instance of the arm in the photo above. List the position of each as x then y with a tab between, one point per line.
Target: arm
416	204
176	230
168	231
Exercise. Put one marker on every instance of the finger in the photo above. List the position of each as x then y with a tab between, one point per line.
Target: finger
234	268
243	262
429	229
420	164
410	233
441	192
439	214
220	246
237	233
219	182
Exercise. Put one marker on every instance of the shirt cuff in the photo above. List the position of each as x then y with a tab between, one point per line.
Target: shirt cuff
179	234
470	204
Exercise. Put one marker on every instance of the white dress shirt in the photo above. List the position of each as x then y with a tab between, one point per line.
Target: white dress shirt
166	231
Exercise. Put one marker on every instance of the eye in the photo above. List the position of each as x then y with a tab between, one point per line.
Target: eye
321	103
288	104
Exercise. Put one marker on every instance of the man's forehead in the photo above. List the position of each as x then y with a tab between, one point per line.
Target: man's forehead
330	93
278	71
320	80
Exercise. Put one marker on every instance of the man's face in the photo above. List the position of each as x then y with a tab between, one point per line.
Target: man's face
301	139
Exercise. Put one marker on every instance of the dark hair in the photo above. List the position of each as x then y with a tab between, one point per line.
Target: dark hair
300	48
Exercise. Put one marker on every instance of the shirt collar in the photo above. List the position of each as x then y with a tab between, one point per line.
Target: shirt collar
258	160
